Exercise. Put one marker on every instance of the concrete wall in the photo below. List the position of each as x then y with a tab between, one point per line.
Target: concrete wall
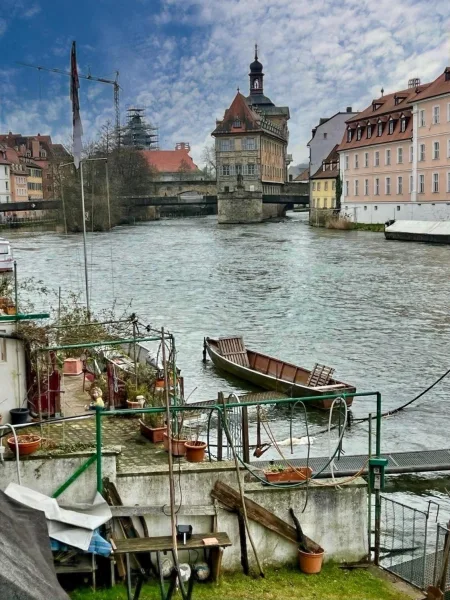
273	211
239	207
334	518
46	475
380	212
326	519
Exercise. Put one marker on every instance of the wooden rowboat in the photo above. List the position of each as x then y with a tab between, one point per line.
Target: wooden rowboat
230	354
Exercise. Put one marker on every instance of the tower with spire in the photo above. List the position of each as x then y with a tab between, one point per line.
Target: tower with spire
251	141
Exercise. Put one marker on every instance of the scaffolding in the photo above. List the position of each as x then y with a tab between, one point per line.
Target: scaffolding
138	132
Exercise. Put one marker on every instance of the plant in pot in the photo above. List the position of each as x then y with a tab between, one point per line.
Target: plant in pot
27	444
136	394
195	448
310	554
178	440
277	473
153	425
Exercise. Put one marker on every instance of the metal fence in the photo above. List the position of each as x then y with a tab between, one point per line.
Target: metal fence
412	543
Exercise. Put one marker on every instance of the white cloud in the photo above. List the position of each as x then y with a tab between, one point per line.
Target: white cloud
31	11
184	64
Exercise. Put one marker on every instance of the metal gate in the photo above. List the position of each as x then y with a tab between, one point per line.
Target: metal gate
411	542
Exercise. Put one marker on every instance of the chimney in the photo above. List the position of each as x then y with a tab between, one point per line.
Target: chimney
349	109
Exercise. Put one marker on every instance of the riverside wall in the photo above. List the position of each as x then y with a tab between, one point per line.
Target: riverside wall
334	518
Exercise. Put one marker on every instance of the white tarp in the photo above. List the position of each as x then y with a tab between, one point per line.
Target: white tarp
72	525
420	227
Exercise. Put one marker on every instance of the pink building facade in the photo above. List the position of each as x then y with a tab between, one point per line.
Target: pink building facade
395	156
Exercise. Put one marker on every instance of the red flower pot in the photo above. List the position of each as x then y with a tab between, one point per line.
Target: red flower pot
195	451
178	447
310	562
27	444
154	434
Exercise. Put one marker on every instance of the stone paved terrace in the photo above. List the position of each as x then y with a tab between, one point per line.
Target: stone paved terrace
73	436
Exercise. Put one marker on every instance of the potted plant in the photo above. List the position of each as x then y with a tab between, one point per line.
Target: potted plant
27	444
281	474
153	425
195	448
178	441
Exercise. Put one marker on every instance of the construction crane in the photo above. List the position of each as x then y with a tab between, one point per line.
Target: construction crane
114	83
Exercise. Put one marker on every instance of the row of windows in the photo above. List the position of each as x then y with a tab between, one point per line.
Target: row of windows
35	173
21	180
229	170
21	192
325	185
379	129
399	188
270	171
34	186
228	145
436	154
316	203
435	115
272	147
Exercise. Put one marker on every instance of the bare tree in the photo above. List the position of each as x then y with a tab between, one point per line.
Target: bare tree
209	160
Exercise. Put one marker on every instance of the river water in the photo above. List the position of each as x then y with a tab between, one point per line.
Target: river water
375	310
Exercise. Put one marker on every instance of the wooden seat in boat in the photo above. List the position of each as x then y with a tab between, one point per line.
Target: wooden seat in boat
233	349
320	375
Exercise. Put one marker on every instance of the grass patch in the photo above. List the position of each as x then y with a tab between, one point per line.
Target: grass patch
343	223
279	584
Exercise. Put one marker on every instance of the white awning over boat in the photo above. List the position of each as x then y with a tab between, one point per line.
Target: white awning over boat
420	227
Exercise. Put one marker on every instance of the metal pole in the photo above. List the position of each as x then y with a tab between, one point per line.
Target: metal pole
170	459
369	490
377	490
98	442
107	194
88	307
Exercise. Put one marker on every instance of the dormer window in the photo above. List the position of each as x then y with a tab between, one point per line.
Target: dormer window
447	74
43	154
403	124
369	131
358	133
237	122
376	105
380	129
391	127
28	154
349	135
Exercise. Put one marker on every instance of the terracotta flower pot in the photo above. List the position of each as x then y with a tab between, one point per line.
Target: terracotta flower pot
133	404
195	451
310	562
178	447
154	434
27	444
288	475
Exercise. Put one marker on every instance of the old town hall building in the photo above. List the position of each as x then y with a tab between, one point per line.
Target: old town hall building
251	141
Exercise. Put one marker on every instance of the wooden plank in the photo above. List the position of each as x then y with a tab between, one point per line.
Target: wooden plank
164	543
206	510
232	500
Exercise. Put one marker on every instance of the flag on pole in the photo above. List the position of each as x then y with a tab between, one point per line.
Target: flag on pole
76	119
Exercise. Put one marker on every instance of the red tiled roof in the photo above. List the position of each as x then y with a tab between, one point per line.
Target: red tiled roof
303	176
387	104
169	161
332	158
238	109
438	87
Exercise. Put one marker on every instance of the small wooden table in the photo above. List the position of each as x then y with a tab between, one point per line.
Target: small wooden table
164	544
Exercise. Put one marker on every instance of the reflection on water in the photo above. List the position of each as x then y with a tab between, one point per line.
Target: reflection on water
375	310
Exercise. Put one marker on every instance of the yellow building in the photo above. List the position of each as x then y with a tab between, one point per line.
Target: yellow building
35	191
323	182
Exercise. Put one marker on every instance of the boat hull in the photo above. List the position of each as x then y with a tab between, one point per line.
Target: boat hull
268	382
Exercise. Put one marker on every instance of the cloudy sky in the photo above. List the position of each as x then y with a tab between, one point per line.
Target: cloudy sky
183	59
